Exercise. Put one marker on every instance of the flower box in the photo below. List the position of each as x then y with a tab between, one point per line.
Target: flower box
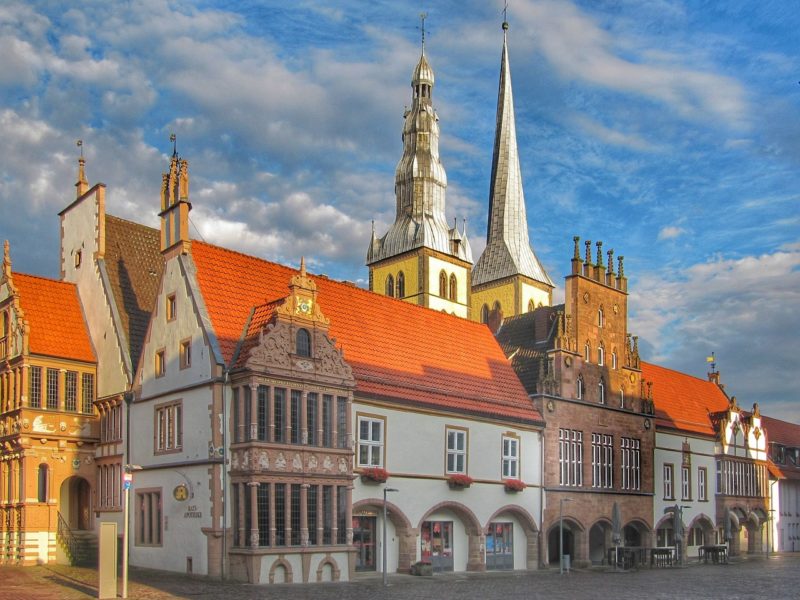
514	485
422	568
459	481
374	475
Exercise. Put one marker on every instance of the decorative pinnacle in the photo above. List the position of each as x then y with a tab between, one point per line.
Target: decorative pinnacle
303	266
174	139
610	254
621	269
576	254
599	254
588	259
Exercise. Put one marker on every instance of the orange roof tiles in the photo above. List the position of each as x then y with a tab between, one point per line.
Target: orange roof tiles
396	350
53	311
682	401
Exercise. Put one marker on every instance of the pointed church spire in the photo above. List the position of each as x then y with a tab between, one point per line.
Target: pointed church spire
82	184
508	251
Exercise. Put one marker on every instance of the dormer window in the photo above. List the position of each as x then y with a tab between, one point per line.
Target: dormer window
303	343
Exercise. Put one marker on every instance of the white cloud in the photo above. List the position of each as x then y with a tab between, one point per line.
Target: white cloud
670	232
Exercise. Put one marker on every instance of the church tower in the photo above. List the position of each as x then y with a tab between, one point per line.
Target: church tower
421	259
508	278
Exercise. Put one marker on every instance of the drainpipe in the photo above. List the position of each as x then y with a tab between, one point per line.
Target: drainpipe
224	476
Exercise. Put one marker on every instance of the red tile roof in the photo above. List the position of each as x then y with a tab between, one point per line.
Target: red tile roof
788	435
682	401
53	311
397	350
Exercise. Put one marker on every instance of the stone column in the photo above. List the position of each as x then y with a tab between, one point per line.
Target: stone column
272	528
253	411
271	420
304	425
475	558
241	509
304	509
253	485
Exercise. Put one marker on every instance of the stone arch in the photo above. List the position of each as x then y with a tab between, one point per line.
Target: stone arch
529	527
600	534
703	522
283	564
755	530
475	533
406	534
328	561
636	532
574	535
75	502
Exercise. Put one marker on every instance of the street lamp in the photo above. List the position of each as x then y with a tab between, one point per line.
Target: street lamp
385	491
127	480
561	534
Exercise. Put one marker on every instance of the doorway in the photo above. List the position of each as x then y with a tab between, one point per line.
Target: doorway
75	503
552	544
500	547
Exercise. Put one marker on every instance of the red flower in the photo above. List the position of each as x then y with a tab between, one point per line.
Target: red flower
459	480
376	474
514	485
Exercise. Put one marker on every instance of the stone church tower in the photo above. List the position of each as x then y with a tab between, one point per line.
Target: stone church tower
508	278
421	259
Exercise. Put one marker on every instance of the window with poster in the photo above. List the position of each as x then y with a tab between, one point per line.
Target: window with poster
436	538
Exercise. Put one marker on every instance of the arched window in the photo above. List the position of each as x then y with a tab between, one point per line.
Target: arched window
622	397
303	342
485	313
43	480
600	319
390	286
453	287
579	388
587	353
614	360
401	285
442	284
601	355
496	307
601	392
531	305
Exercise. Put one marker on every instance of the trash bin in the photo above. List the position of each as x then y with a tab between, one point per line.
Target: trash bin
566	563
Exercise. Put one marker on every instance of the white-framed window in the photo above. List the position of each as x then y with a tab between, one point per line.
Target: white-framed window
169	427
579	388
686	483
602	460
600	318
510	457
702	477
669	490
186	353
601	392
370	441
614	361
456	450
587	353
630	470
570	457
601	355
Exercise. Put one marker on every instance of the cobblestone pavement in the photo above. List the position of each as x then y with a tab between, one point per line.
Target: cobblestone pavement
775	578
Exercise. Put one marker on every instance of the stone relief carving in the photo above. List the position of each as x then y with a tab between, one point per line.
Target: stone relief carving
280	462
327	464
342	465
40	426
331	360
297	462
263	460
313	462
273	349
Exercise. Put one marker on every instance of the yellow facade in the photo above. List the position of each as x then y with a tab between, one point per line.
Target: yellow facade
408	266
515	295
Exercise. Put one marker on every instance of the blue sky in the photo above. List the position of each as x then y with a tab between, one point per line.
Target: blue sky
670	130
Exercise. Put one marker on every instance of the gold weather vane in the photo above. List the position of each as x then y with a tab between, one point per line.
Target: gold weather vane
712	360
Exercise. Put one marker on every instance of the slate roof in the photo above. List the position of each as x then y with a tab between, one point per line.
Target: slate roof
788	435
398	351
684	402
54	314
134	265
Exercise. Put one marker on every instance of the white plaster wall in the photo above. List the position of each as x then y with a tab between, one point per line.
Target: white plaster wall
435	265
533	293
79	226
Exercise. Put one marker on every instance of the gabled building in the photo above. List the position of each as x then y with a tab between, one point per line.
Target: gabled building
48	424
784	470
581	368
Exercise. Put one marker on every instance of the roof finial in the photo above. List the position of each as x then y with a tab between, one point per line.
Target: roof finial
82	184
80	145
174	139
422	17
505	18
303	266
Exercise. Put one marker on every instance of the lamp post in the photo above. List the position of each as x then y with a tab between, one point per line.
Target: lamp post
385	491
561	534
126	483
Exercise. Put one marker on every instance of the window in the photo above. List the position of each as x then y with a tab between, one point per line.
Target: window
295	513
87	393
43	484
570	457
342	503
686	483
665	536
169	427
485	313
587	353
614	360
631	464
311	509
303	342
401	285
601	355
510	457
390	286
148	518
171	307
622	397
601	392
341	421
453	287
35	387
262	499
602	460
702	476
442	284
279	414
186	354
71	391
327	420
456	450
280	514
312	419
531	305
579	388
600	320
669	492
294	417
161	363
370	441
52	389
77	258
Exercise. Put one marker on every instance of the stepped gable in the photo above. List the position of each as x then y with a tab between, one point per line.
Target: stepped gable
682	401
53	312
398	351
134	265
